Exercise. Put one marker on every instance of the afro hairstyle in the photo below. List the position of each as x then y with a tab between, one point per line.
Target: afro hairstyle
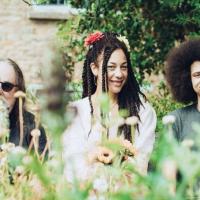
178	70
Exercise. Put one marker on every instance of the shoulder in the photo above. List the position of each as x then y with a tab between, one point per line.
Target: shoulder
147	114
183	111
81	105
80	102
146	107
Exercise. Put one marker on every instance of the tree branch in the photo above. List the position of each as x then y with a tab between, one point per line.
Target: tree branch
27	2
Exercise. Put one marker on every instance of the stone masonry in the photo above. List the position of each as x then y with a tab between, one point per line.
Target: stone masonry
24	39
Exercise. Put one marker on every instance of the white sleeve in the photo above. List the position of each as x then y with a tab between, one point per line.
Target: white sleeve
145	138
74	155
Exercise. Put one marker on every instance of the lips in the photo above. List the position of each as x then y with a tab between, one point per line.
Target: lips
117	83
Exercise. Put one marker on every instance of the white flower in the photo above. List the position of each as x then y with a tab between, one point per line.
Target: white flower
52	154
168	119
187	143
7	146
125	41
119	12
27	160
101	198
18	150
35	133
100	184
19	169
92	197
119	121
3	161
53	163
132	120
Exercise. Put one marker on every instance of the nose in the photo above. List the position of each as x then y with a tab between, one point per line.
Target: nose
118	72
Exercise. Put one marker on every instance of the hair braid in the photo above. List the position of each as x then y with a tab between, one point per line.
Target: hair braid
130	95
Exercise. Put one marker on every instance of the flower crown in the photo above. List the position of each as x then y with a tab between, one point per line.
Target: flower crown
125	41
92	38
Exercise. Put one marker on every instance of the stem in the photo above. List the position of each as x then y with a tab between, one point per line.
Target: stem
35	144
21	122
132	133
44	151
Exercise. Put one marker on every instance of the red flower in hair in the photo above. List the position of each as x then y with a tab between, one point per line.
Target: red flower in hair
90	39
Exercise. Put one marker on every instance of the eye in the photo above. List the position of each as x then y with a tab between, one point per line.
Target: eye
124	67
111	67
196	74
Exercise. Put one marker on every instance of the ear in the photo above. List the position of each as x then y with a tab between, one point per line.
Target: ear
94	69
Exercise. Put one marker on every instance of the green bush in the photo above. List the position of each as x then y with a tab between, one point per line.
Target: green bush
152	28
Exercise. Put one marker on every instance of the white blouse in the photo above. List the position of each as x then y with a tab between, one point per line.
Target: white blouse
77	143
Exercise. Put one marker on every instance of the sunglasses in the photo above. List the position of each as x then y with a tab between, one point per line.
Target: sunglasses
7	86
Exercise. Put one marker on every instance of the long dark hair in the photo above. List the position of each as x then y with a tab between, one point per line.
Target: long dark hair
129	96
14	114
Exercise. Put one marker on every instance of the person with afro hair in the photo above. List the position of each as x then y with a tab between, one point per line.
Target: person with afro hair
182	72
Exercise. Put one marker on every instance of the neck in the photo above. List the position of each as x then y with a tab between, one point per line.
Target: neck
113	98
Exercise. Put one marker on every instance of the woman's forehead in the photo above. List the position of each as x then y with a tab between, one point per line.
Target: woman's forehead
7	72
195	67
100	57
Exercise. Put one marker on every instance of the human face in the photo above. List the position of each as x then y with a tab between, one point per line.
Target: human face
117	71
7	74
195	77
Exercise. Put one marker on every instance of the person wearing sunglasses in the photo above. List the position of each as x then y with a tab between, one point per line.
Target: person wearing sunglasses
12	80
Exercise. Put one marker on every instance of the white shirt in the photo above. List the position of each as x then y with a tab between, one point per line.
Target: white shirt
77	143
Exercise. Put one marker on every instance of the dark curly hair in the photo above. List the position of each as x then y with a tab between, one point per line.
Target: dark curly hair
177	70
129	96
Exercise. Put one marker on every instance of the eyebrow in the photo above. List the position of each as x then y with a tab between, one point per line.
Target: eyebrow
116	63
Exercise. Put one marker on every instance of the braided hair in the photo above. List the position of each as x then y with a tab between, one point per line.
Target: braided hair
129	96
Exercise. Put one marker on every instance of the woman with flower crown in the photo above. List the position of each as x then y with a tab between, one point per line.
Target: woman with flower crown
107	69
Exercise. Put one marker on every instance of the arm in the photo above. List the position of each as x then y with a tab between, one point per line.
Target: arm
145	138
75	148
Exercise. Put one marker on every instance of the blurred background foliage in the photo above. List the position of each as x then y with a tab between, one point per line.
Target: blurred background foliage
152	28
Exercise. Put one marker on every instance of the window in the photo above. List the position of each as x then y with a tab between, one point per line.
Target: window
49	2
51	10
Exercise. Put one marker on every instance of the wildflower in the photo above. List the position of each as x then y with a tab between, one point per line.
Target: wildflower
168	119
125	41
3	161
119	121
37	188
19	94
7	146
27	160
105	155
132	120
100	185
92	197
130	150
119	12
35	133
92	38
187	143
19	170
18	150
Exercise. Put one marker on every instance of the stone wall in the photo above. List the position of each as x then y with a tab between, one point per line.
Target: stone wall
24	39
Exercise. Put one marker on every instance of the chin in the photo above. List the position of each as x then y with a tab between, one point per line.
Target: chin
115	91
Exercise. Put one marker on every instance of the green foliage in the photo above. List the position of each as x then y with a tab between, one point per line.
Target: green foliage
152	27
163	104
